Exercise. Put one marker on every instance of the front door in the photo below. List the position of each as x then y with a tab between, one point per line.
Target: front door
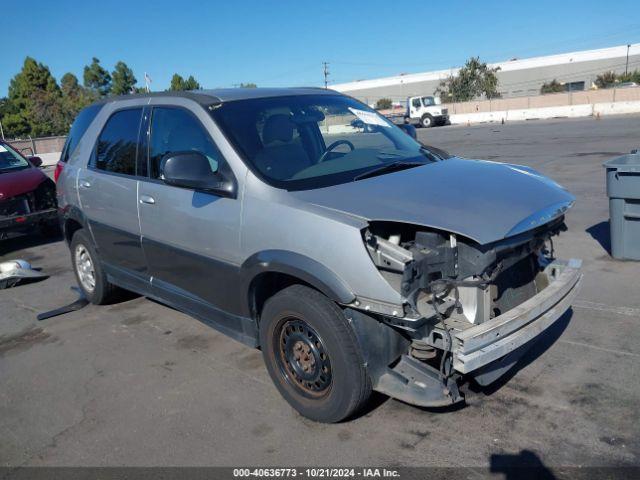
108	194
415	107
190	238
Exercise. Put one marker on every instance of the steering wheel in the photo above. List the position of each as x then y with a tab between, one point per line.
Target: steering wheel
335	144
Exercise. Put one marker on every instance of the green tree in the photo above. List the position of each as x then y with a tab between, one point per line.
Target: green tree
177	83
554	86
35	106
630	77
191	84
383	104
97	78
123	79
13	125
74	97
605	80
248	85
474	80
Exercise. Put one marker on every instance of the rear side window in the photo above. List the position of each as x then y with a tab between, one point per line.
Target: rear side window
117	145
79	127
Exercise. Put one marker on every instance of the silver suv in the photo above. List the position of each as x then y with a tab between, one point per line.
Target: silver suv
301	222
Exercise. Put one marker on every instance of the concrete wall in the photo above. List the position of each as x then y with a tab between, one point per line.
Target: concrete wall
539	112
37	146
551	100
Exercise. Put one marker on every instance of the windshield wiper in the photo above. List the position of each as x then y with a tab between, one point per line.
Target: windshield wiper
389	167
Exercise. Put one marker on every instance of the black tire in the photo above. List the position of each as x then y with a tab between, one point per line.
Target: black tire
426	121
298	314
103	292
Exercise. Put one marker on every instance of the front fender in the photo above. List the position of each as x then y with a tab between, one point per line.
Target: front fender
296	265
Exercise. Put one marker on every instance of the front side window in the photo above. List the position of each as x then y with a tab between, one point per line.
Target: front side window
310	141
416	103
176	130
117	145
10	160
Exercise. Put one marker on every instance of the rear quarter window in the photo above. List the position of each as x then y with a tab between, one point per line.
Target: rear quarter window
78	129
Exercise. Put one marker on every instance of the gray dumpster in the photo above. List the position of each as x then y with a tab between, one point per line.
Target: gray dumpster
623	190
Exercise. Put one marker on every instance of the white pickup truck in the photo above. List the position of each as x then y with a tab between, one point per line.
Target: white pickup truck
422	110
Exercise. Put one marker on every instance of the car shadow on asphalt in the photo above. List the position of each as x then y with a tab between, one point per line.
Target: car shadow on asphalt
523	465
533	352
24	241
601	233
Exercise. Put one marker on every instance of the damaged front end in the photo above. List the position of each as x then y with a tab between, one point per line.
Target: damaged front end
29	209
466	308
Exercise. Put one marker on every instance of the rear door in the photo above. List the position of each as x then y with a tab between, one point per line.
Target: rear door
190	238
108	195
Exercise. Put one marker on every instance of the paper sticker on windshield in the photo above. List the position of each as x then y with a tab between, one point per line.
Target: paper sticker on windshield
369	118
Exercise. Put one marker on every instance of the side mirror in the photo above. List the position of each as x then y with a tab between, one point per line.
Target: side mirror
36	161
193	170
409	130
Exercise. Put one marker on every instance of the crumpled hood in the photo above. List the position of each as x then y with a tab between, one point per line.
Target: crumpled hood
19	182
482	200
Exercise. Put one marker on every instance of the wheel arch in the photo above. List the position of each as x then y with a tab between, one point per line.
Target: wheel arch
72	220
266	273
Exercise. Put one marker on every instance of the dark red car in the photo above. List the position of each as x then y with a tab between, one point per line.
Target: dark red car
27	195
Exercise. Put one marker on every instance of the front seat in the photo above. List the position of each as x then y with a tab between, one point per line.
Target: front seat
280	158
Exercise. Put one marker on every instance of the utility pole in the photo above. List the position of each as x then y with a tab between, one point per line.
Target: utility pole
626	67
325	68
1	131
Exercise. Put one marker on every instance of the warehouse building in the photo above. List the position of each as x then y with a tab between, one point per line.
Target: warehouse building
517	77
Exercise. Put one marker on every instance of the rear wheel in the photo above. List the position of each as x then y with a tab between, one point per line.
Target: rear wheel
89	274
312	355
426	120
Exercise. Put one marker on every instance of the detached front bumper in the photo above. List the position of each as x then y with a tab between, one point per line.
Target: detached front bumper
487	342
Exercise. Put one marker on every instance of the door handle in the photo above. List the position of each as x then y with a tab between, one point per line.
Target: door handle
85	184
149	200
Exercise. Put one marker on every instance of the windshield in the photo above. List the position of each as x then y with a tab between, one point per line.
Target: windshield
428	101
311	141
11	160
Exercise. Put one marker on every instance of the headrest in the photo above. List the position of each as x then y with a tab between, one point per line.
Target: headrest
278	127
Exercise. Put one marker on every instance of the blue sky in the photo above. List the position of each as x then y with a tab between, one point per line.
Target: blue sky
283	43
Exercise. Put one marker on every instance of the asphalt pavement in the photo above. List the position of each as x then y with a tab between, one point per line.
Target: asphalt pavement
137	383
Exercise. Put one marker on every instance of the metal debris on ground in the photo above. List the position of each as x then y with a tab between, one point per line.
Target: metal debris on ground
14	272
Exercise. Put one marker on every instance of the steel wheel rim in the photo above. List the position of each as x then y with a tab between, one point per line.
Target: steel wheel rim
84	268
302	358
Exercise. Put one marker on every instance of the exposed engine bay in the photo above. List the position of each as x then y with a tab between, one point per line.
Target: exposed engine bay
451	282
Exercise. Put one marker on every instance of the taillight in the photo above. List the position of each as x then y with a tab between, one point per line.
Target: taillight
58	170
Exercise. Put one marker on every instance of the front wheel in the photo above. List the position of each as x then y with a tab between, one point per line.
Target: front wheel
312	355
427	121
